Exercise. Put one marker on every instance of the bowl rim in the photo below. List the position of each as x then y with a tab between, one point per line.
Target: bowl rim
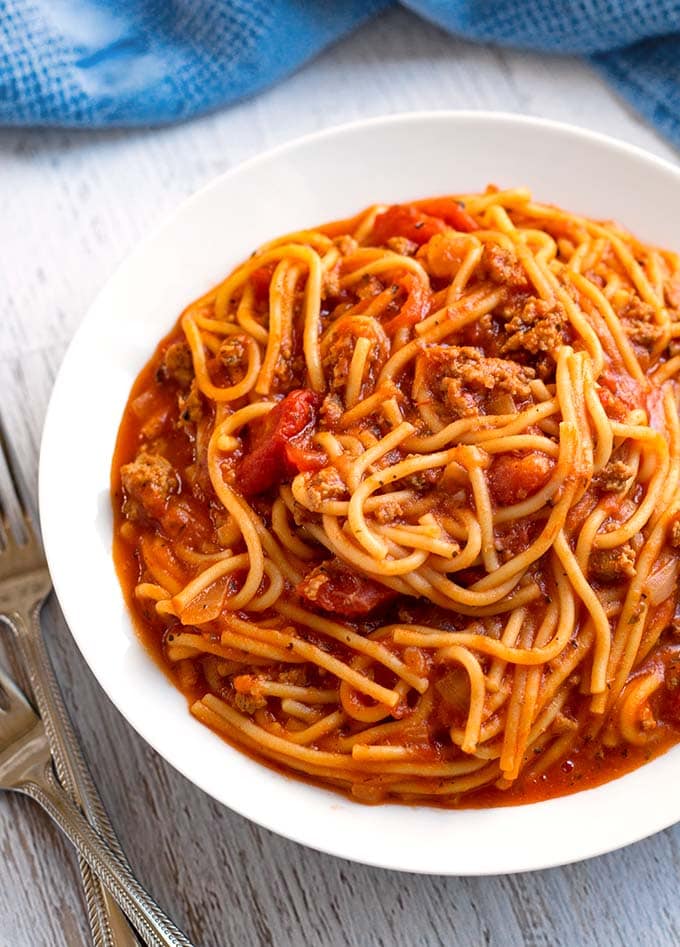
49	454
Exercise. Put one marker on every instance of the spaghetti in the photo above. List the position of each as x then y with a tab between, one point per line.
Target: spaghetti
398	502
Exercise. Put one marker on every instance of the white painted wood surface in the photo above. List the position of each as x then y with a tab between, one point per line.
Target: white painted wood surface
71	206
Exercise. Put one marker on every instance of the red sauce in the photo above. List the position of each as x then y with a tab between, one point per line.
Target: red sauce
279	447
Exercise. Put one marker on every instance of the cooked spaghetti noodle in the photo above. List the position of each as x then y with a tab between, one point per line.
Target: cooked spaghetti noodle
398	502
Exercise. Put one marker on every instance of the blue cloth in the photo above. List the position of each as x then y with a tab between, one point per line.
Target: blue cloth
139	62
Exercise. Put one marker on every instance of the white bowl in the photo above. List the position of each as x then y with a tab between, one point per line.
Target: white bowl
318	178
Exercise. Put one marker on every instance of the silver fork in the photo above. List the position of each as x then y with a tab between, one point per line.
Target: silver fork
24	585
26	767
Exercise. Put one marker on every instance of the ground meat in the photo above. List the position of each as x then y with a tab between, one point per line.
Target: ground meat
645	334
233	358
612	565
597	278
672	291
513	305
337	348
326	484
337	360
369	286
147	483
402	245
501	266
330	283
422	480
674	534
613	477
243	701
335	587
190	405
331	410
540	327
513	538
465	379
514	477
636	308
346	244
293	675
290	370
248	703
176	365
392	511
638	322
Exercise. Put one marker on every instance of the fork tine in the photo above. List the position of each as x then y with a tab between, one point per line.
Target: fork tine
11	466
18	493
4	475
4	699
12	693
12	662
6	532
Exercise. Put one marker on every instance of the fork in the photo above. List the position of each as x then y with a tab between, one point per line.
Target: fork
24	585
26	767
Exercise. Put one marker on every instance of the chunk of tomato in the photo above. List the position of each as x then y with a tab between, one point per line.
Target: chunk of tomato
450	211
404	220
281	444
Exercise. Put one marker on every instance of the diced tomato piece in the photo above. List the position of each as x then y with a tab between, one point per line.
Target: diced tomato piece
421	222
619	394
513	478
304	459
260	280
404	220
336	587
416	305
451	211
185	516
280	445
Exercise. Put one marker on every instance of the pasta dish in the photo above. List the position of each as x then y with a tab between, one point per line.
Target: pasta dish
397	504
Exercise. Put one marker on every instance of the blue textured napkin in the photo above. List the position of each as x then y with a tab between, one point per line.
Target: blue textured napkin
137	62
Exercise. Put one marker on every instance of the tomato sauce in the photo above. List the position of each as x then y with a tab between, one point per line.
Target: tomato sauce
279	446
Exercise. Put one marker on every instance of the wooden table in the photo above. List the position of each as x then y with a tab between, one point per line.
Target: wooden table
72	205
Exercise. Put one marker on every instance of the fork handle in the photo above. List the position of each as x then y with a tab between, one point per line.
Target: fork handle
109	926
145	914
